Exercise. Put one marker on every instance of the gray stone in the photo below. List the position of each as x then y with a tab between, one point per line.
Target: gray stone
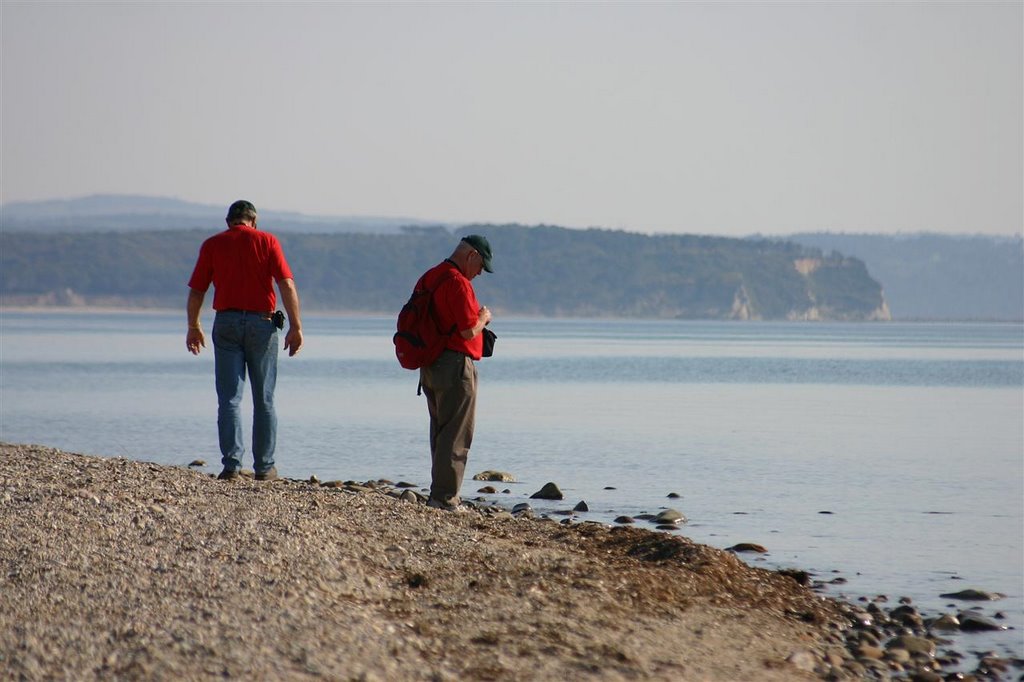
549	491
898	655
836	657
915	645
521	507
801	577
855	668
926	676
973	595
197	463
870	652
670	516
868	638
747	547
994	665
487	489
624	519
489	475
975	622
802	659
581	507
907	615
945	622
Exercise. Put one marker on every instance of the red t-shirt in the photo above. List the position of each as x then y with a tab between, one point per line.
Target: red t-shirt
455	303
242	263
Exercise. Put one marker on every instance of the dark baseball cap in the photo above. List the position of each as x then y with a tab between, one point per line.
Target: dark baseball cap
241	210
482	246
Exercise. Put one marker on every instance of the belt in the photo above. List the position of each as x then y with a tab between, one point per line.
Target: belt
261	313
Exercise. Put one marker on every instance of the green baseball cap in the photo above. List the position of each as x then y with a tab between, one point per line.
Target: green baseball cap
482	246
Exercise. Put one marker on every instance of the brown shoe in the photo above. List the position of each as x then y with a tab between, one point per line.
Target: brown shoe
443	505
228	475
268	475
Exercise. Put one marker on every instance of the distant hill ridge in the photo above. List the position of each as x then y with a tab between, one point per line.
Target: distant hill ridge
922	276
132	213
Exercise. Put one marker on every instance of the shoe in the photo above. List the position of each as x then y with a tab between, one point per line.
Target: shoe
268	475
228	475
435	503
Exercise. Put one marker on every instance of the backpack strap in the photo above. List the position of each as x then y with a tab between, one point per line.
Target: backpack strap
431	291
430	311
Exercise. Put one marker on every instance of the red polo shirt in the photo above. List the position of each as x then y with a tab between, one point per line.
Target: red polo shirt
242	263
455	303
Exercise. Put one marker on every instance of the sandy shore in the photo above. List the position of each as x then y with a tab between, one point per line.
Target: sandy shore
119	569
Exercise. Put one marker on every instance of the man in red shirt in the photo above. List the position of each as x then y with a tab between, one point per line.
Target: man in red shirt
450	383
243	263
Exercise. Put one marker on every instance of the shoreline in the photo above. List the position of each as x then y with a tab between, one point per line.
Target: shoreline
388	314
129	310
112	567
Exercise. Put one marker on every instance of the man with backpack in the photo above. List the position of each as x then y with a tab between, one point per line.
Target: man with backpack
449	382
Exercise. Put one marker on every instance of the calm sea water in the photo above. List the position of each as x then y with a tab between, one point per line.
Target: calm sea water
911	436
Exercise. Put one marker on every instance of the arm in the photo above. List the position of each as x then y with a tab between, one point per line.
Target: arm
290	301
195	340
483	318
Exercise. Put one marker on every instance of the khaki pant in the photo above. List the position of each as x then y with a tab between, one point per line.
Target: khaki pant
450	387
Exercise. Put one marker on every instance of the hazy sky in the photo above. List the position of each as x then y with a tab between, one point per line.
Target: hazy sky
717	118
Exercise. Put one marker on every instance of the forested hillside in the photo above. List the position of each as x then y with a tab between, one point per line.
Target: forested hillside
545	271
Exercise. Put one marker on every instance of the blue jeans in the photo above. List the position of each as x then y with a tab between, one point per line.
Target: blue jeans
245	342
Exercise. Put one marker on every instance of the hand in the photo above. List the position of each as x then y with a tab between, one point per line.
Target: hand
195	340
484	315
293	341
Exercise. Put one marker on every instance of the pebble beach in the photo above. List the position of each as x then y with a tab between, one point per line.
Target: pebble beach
114	568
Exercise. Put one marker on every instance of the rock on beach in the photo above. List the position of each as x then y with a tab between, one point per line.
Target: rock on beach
748	547
669	516
549	491
499	476
972	594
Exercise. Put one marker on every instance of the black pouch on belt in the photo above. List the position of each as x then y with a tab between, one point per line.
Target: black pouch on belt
278	318
489	338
